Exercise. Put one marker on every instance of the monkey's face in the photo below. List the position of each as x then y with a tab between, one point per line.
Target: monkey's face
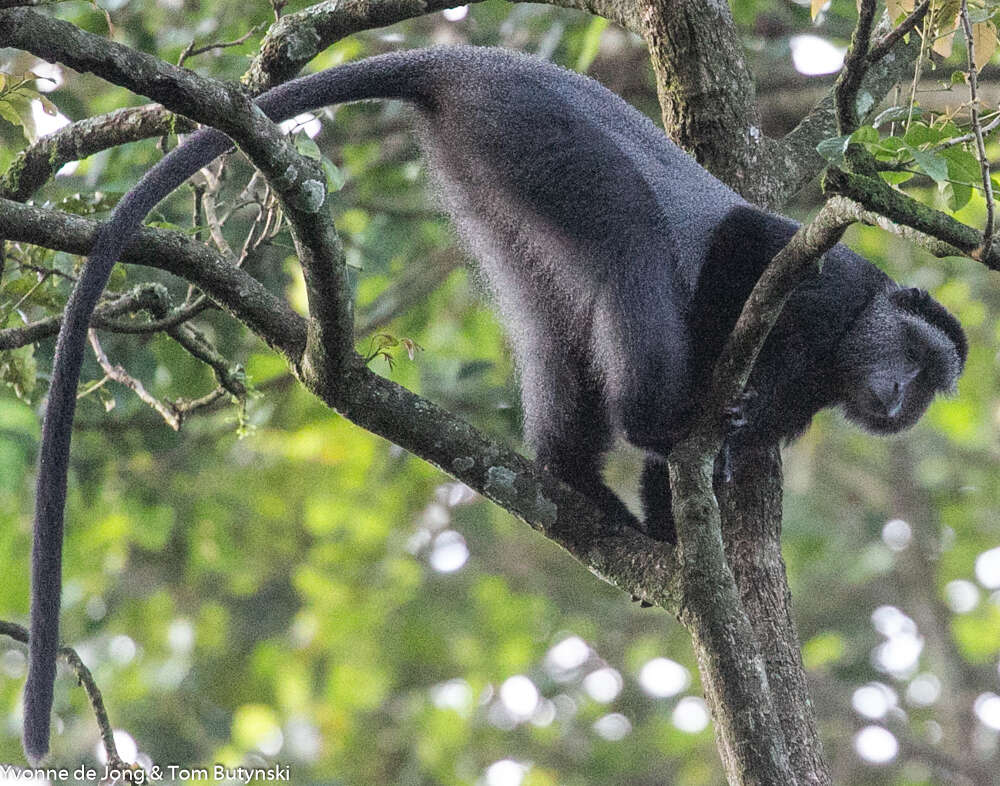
896	362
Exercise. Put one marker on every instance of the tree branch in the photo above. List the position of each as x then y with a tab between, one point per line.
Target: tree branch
793	161
876	195
298	181
706	92
145	297
297	38
86	679
231	288
34	165
752	740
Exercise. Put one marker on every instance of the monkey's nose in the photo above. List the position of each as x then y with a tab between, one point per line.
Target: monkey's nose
891	399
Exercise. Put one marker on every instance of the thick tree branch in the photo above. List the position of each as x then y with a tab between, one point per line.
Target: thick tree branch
931	244
706	92
630	560
877	195
297	38
753	742
34	165
231	288
297	180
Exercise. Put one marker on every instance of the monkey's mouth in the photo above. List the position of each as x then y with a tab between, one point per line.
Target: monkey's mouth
880	424
872	417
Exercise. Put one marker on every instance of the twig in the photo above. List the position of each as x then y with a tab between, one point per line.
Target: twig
855	65
191	51
917	68
194	341
122	377
883	47
86	679
984	164
167	322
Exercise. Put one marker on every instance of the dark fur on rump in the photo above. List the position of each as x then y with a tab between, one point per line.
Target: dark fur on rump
618	265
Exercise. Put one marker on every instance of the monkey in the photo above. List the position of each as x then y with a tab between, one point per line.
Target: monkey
618	266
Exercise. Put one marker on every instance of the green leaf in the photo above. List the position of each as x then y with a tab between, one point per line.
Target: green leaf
963	166
947	130
896	178
118	279
16	109
335	178
307	146
865	135
17	369
833	149
933	165
920	134
957	194
7	113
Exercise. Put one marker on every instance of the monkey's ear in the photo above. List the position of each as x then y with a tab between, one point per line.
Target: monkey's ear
919	303
911	299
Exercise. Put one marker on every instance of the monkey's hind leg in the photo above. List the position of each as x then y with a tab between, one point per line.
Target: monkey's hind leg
567	424
654	490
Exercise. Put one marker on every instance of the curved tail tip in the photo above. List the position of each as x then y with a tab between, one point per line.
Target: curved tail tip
36	729
36	744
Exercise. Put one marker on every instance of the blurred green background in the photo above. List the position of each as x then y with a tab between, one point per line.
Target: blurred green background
284	587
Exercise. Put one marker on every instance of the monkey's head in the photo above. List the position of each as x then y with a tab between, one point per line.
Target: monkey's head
904	349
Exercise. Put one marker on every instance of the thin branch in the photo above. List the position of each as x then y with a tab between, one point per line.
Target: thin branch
918	66
231	288
70	657
195	342
907	26
985	131
855	65
191	51
122	377
984	164
145	297
34	165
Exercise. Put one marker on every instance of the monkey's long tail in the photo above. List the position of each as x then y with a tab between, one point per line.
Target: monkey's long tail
397	75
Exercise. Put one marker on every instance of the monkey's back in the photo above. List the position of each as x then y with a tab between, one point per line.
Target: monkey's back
521	147
580	211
